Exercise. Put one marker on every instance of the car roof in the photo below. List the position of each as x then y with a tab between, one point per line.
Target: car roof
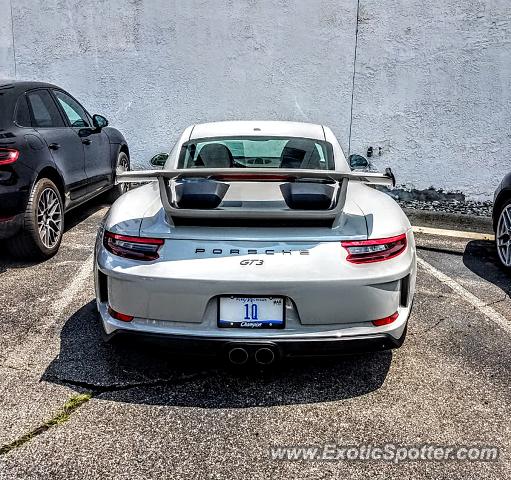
257	128
18	86
10	90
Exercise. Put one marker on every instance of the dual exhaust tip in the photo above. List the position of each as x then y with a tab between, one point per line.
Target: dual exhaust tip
265	355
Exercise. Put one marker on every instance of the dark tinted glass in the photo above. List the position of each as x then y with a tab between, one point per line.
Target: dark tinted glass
257	152
44	110
23	113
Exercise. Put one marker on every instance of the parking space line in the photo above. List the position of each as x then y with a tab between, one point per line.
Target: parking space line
453	233
470	298
74	287
31	345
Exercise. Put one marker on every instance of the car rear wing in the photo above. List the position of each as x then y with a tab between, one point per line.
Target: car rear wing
308	194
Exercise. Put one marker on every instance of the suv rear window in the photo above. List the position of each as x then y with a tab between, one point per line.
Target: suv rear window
44	110
257	152
23	113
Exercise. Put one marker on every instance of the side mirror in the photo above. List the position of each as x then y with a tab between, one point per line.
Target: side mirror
99	121
358	162
159	160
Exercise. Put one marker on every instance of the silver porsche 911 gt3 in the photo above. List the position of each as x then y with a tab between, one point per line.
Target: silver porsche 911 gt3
255	241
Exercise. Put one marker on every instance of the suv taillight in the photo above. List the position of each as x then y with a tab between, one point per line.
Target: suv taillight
8	155
369	251
137	248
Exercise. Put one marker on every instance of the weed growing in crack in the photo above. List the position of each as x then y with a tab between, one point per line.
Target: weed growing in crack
61	417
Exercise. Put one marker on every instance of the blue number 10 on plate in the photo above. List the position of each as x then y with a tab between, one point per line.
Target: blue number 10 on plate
251	312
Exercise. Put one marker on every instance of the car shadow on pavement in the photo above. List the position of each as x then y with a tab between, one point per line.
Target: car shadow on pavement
81	213
481	258
72	219
138	372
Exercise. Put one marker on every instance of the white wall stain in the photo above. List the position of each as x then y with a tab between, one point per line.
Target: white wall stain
299	110
433	77
123	109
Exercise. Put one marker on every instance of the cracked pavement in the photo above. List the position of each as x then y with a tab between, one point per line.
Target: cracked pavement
154	415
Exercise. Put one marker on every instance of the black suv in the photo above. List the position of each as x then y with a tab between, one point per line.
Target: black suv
53	157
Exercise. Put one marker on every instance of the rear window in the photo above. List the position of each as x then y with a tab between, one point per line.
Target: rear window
257	152
22	112
6	106
44	110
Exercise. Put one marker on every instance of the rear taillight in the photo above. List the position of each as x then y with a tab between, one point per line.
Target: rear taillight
119	316
137	248
386	320
8	155
368	251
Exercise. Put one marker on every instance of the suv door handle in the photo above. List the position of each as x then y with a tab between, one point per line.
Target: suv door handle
86	141
53	146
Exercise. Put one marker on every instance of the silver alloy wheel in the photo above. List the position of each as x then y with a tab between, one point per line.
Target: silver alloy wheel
122	166
504	236
49	218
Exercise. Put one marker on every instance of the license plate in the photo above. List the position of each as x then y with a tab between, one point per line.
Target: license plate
251	312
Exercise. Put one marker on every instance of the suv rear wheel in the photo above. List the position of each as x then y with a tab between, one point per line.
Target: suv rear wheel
43	223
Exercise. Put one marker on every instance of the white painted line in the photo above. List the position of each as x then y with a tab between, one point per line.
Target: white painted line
454	233
470	298
31	347
67	295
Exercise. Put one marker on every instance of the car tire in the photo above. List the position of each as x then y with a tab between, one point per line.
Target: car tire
122	165
42	223
503	235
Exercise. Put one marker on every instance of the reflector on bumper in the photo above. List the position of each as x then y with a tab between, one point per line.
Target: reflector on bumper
386	320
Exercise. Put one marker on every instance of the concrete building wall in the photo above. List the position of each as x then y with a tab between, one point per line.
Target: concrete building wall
6	48
154	67
431	85
433	89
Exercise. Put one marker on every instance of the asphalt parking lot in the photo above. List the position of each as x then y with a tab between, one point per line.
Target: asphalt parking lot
72	407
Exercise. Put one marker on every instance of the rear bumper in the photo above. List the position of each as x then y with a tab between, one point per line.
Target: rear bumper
10	225
13	194
344	339
286	348
329	307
